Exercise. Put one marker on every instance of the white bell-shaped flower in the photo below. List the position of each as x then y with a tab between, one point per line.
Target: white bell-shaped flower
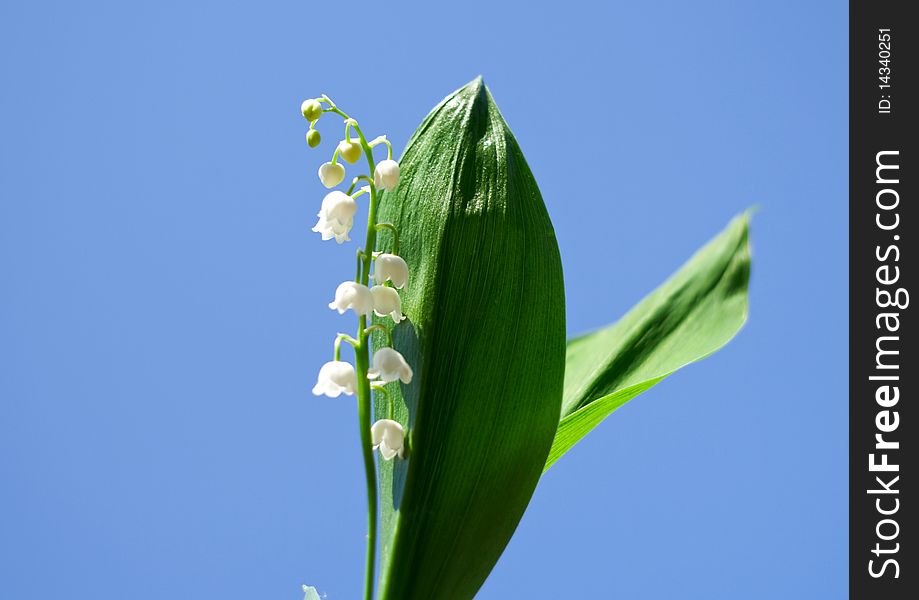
389	437
386	301
389	366
386	174
331	174
390	267
336	216
352	295
336	377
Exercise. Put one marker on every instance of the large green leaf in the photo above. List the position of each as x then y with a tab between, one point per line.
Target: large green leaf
691	315
486	338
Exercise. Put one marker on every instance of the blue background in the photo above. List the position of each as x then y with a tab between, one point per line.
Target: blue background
164	302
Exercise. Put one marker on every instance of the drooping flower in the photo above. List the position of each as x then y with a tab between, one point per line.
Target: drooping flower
336	377
389	437
350	150
389	366
386	174
313	138
355	296
390	267
336	216
331	174
386	301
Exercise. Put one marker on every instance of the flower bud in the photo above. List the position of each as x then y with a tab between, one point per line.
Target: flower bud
336	216
386	301
352	295
389	437
335	378
331	174
350	151
386	174
311	110
313	138
389	365
389	267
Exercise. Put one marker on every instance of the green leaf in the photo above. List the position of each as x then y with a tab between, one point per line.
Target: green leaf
486	338
693	314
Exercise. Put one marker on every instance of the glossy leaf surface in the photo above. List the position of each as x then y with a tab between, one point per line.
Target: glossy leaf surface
485	336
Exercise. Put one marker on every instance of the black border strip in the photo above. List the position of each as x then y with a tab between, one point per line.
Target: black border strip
883	366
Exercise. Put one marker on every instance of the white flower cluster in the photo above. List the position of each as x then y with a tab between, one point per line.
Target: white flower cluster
390	273
379	299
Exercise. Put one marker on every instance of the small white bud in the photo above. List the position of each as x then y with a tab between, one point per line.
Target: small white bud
389	365
352	295
389	437
389	267
386	174
336	377
336	216
386	301
331	174
349	150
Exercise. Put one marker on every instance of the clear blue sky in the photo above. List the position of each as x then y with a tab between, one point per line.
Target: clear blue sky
163	302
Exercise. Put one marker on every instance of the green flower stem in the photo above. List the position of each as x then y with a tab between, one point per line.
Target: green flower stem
361	360
362	364
357	275
395	234
354	184
378	327
382	388
364	396
382	140
338	340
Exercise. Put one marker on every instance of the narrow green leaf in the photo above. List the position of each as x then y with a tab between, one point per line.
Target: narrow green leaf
695	312
486	338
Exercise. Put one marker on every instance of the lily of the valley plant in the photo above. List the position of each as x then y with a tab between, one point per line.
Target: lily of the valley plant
390	273
467	390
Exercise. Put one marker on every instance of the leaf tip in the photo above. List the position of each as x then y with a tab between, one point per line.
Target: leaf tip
475	90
